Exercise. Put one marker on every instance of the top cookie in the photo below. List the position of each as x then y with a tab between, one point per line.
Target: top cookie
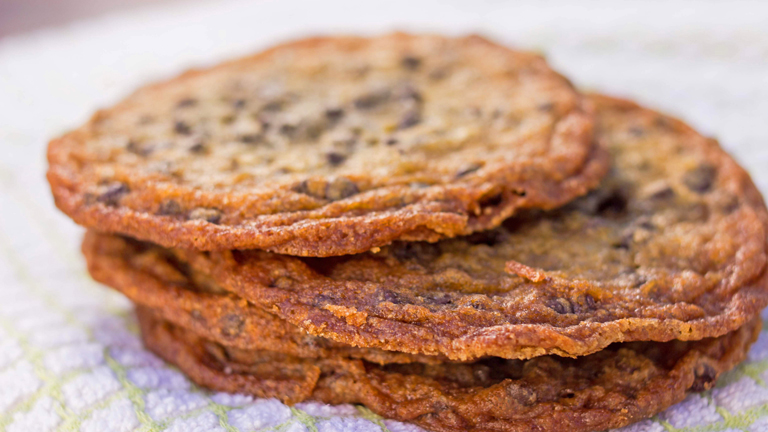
331	146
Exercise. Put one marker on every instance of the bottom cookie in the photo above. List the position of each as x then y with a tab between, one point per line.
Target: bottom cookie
619	385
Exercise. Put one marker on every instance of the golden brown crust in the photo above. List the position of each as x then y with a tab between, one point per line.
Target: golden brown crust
212	313
254	153
612	388
671	246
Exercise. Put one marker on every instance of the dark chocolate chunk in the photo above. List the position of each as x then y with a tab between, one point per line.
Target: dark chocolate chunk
701	178
340	188
705	377
411	63
255	138
334	114
273	106
187	102
335	158
207	214
288	129
391	141
615	203
561	306
410	118
468	169
112	193
136	148
182	128
372	100
198	147
169	208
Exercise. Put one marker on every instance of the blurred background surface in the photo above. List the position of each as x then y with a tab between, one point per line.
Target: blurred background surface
17	16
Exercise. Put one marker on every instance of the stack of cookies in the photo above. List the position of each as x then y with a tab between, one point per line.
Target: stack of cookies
441	229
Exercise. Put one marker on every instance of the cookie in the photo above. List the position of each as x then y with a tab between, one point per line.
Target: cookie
672	245
199	306
620	385
331	146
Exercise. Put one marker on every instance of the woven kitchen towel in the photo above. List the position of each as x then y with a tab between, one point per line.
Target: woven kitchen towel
70	357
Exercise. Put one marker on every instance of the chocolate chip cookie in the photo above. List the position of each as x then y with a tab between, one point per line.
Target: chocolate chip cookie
617	386
331	146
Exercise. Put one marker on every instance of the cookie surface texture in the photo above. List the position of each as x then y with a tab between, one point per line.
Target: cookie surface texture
615	387
672	245
332	146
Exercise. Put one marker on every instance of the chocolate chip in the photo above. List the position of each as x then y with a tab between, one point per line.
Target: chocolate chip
372	100
112	194
705	377
187	102
231	325
586	303
700	179
391	141
561	306
334	114
273	106
663	123
663	194
491	200
182	128
335	159
238	103
252	138
314	189
468	169
410	118
546	106
340	188
138	149
302	188
288	130
169	208
198	147
411	63
393	297
207	214
613	204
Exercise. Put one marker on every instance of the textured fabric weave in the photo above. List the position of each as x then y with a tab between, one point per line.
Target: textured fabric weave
70	356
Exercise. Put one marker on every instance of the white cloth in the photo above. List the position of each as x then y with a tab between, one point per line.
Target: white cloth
70	358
